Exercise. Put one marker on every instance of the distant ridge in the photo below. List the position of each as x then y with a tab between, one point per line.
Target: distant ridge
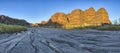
77	17
8	20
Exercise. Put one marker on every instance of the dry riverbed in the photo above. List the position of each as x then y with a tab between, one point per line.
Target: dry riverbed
49	40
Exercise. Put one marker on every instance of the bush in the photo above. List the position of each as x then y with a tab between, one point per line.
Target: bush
11	28
105	27
111	27
73	27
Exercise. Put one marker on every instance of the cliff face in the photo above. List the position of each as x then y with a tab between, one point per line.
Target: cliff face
89	17
9	20
102	13
75	17
60	18
43	22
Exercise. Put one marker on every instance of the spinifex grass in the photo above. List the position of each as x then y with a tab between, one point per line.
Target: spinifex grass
11	28
111	27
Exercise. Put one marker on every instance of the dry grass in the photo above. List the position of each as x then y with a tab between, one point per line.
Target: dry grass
107	27
11	28
111	27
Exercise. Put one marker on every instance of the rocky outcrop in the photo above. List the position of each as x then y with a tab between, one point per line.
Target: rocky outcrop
43	22
102	13
75	17
60	18
35	25
13	21
49	40
89	17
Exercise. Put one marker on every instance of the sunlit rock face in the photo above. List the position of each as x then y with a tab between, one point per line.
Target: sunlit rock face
89	17
43	22
35	25
59	18
76	17
103	15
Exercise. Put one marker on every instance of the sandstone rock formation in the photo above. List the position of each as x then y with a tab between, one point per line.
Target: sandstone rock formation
43	22
35	25
102	13
13	21
60	18
77	17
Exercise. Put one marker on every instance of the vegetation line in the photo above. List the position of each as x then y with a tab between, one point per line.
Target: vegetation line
11	28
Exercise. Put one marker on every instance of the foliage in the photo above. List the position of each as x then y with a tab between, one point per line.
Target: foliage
116	21
11	28
111	27
105	27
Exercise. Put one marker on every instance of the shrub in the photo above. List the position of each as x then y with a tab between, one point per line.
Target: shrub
111	27
11	28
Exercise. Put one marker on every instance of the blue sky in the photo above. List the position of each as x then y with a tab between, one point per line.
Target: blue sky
34	11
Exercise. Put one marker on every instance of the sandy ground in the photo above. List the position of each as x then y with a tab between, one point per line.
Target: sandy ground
49	40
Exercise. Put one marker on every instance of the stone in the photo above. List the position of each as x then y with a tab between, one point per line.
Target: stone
77	17
35	25
43	22
59	18
13	21
103	15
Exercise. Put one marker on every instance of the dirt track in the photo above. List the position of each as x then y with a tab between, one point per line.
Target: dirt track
46	40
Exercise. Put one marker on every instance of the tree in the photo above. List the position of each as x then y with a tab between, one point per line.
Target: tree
119	21
115	22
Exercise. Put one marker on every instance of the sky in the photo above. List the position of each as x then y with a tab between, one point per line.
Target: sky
35	11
